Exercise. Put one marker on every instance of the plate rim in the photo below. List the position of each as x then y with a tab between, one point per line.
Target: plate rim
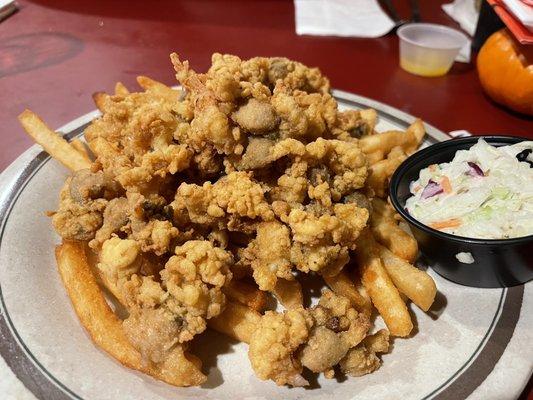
19	173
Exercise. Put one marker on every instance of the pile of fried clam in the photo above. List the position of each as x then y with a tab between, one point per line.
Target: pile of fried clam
202	202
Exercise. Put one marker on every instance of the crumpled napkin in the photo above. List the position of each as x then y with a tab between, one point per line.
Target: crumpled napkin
464	12
358	18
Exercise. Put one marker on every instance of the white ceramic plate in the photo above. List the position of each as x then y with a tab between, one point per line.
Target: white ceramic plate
474	343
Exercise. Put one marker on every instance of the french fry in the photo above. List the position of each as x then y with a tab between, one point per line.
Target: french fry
370	116
388	233
380	172
417	285
383	208
289	293
375	157
52	143
236	321
99	100
379	286
147	83
121	90
246	294
105	328
157	87
408	140
80	148
417	130
343	285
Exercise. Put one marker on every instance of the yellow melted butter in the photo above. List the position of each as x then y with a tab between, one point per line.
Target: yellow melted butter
425	69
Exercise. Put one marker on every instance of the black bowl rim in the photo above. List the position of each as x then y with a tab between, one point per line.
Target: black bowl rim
424	153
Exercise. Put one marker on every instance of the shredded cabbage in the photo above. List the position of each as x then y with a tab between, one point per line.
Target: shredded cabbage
497	204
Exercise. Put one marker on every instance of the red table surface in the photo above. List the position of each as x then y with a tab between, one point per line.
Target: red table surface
55	54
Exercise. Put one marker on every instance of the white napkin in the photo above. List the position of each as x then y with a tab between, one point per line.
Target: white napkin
359	18
459	133
465	13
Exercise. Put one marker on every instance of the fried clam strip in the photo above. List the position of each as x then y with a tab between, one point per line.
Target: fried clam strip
317	338
52	143
363	359
105	328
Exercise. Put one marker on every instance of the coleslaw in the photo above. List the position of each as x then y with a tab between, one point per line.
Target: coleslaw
485	192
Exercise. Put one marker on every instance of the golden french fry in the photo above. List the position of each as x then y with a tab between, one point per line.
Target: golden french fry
370	116
105	328
375	157
384	294
121	90
52	142
99	100
380	172
246	294
80	148
417	130
383	208
343	285
289	293
159	88
236	321
408	140
146	83
417	285
386	230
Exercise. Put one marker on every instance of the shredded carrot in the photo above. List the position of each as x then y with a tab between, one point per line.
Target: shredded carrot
449	223
446	185
432	167
417	188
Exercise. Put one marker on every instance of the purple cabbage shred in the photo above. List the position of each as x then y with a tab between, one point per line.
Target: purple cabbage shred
474	170
431	189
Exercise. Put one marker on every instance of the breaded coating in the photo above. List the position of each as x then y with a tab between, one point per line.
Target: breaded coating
251	170
256	117
269	254
189	292
274	343
77	220
234	195
362	360
318	339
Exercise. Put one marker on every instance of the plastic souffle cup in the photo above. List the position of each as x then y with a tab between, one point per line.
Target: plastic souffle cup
429	49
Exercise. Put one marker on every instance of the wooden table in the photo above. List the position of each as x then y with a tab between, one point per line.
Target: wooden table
55	54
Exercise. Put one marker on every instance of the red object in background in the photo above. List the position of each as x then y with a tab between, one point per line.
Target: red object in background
521	32
55	53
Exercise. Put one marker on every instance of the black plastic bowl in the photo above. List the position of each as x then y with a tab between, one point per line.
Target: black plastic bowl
497	263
